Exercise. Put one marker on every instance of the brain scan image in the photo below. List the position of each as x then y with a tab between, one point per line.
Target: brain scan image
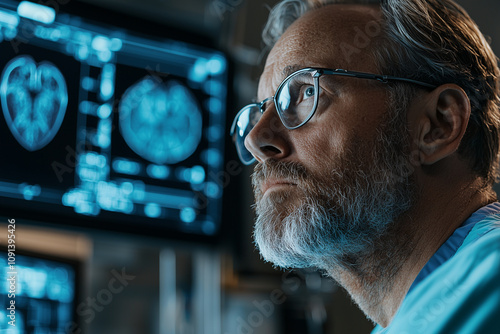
34	99
160	121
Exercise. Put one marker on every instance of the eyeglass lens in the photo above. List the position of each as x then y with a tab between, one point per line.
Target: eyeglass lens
295	102
245	122
296	98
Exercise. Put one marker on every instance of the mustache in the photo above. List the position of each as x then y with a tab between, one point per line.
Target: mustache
293	171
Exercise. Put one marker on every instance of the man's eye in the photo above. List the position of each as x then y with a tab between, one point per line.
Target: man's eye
309	92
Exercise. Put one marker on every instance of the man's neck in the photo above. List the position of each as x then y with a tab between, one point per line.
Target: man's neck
379	280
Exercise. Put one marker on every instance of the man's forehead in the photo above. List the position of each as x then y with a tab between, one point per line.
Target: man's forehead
289	69
327	31
320	38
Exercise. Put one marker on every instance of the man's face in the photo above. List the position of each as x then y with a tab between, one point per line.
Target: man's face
330	188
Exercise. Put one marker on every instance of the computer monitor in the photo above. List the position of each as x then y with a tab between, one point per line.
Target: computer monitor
42	297
106	127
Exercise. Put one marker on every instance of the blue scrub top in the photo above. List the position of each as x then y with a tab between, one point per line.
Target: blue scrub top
458	290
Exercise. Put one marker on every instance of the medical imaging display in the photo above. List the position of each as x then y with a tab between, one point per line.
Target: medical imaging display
34	99
44	298
108	124
160	122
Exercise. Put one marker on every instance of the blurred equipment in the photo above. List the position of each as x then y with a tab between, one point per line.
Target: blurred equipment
44	278
45	298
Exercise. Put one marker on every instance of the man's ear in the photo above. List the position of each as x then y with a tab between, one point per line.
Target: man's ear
443	122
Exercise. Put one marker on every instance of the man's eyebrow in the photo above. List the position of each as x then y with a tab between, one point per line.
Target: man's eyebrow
290	69
287	70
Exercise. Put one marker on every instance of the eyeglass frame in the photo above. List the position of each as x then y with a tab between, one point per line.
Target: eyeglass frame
319	72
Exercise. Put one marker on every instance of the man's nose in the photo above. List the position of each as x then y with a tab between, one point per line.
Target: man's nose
269	137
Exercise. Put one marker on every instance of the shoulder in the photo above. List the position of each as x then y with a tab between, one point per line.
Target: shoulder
462	295
484	236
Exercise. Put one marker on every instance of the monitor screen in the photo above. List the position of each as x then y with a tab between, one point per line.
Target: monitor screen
107	126
42	296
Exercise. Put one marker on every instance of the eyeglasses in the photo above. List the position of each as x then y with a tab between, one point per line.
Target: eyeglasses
296	101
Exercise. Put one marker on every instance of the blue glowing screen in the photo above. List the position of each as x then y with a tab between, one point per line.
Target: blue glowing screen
44	297
109	125
160	122
34	99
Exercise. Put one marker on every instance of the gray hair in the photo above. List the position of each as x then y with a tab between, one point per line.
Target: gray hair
433	41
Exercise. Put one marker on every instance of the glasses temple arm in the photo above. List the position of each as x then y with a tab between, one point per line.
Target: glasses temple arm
381	78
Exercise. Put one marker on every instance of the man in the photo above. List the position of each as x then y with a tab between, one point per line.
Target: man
377	147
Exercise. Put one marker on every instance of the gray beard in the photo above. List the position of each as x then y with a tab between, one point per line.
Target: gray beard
328	226
340	218
346	222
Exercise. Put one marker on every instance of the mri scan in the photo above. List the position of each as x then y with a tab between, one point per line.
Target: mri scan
34	99
109	124
160	121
